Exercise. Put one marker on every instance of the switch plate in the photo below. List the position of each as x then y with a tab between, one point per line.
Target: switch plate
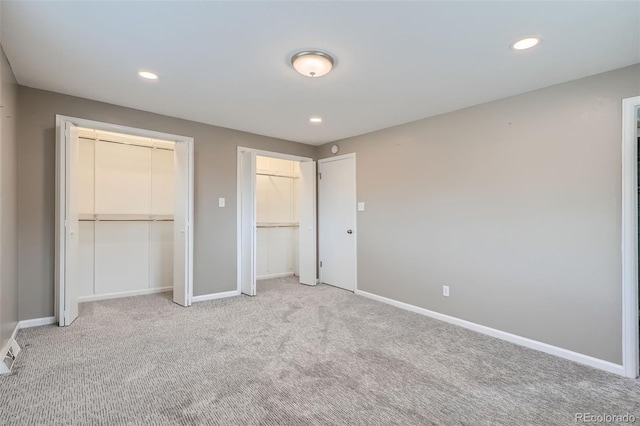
445	290
221	202
360	206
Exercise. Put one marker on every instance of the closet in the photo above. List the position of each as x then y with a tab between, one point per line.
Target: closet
277	224
126	209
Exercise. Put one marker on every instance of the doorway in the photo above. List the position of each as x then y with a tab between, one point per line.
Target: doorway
124	209
276	217
292	181
337	221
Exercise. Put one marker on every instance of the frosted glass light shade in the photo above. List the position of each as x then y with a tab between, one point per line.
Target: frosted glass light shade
526	43
312	63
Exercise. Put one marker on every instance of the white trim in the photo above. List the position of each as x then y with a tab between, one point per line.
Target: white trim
58	305
355	215
238	220
190	218
272	154
338	157
61	194
630	236
116	128
214	296
269	276
107	296
503	335
36	322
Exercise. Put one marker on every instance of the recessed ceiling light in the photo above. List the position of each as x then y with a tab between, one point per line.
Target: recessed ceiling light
148	75
525	43
316	119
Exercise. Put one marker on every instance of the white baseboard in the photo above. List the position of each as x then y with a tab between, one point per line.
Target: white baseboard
214	296
36	322
280	275
503	335
107	296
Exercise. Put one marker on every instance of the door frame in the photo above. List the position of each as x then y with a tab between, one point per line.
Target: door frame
630	339
355	215
239	192
61	198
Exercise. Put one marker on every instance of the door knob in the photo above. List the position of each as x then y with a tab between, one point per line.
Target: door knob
349	231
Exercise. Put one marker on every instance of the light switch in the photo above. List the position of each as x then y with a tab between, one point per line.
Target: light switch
361	207
220	202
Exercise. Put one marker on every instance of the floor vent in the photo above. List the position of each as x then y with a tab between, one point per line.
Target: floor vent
10	358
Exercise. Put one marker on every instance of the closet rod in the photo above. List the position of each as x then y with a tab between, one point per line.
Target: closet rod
277	175
127	143
114	217
125	220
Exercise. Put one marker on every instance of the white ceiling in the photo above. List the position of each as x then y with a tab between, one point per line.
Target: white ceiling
227	63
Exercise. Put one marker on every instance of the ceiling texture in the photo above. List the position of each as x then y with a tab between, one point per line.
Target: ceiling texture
227	63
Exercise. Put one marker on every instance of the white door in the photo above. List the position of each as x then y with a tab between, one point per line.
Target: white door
337	221
70	268
247	184
182	231
307	218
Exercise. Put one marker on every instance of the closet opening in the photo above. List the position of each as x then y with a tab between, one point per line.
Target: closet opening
126	208
124	212
277	226
276	217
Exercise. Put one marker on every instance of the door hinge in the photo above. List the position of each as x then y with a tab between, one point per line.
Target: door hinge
319	175
321	263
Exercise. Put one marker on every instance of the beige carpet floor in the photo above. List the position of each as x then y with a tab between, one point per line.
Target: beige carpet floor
293	355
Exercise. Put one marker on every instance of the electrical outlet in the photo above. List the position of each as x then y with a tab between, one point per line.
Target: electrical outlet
445	290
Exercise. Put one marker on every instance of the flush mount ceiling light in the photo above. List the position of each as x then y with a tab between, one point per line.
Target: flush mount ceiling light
316	119
312	63
148	75
525	43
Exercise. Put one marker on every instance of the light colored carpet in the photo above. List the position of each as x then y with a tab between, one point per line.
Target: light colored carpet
293	355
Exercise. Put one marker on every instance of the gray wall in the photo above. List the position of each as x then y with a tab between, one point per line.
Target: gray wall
515	204
215	176
9	203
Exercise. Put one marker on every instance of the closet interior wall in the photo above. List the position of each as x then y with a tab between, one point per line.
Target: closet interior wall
276	217
126	208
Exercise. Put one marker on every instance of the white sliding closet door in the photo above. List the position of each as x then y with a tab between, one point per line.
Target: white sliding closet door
68	171
182	232
248	222
307	219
